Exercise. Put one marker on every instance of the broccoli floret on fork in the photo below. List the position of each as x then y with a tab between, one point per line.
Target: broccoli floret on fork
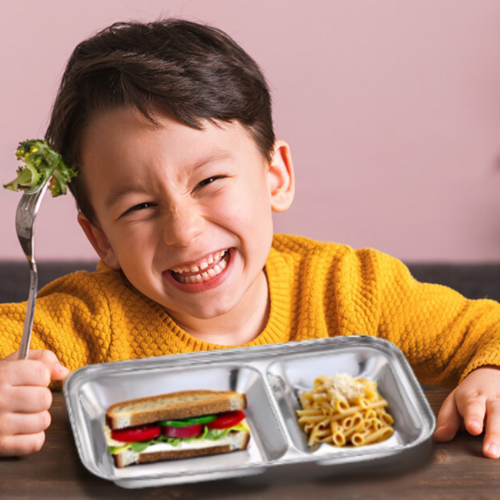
40	164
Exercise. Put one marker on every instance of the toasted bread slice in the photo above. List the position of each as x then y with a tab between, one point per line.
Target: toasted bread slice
233	442
176	405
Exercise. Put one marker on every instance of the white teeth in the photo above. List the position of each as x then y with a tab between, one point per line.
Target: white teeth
208	274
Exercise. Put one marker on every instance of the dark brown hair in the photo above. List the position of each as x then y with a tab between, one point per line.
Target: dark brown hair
193	72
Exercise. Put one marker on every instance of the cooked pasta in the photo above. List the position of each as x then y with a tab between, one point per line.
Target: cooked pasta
342	410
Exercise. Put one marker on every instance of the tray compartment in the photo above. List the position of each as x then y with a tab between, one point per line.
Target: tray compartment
92	394
296	373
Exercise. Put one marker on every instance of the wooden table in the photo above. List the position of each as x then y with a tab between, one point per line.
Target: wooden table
457	470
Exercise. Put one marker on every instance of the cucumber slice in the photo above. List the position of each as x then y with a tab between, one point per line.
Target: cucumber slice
186	422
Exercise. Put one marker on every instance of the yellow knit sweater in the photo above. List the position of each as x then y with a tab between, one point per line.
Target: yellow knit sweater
316	290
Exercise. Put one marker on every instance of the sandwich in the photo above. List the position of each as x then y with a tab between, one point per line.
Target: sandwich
177	425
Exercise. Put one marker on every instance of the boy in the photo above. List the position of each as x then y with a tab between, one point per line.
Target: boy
170	126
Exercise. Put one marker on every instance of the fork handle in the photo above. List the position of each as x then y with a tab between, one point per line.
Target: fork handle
30	312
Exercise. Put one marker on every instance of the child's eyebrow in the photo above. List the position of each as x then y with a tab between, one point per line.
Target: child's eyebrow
119	192
217	156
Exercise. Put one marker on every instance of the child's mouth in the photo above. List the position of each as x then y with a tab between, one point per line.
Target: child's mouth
204	271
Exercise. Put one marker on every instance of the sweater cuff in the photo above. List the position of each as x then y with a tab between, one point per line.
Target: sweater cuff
492	359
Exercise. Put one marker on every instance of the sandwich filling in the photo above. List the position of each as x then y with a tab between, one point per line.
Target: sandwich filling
190	433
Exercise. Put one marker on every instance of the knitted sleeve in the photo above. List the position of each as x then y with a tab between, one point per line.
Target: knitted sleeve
443	335
72	319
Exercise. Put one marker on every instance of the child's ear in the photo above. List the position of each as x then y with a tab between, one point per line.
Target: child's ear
281	177
99	241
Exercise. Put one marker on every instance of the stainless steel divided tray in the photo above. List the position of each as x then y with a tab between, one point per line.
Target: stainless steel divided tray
271	376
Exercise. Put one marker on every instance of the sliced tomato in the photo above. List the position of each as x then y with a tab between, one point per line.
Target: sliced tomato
227	419
139	433
183	432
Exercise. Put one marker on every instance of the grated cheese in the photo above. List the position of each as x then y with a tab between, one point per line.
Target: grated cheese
341	385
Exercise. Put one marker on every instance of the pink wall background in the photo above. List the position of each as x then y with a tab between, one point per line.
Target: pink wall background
392	110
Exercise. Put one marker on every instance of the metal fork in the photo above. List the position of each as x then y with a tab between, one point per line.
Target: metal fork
25	225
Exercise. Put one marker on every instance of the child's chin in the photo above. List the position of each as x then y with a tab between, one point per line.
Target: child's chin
203	310
209	313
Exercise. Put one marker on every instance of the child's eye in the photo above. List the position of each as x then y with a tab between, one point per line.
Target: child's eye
209	181
137	208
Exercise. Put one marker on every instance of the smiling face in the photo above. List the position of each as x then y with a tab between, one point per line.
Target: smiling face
185	213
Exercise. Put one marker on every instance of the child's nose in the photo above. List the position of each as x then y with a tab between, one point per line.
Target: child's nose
183	226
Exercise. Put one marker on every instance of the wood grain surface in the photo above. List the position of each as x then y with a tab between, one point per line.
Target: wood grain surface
456	470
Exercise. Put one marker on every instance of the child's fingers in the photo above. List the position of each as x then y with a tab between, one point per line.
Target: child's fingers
24	372
448	421
473	411
59	372
22	444
32	354
26	399
491	444
11	357
48	358
51	361
24	423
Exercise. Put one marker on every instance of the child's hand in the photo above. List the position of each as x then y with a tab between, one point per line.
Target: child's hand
25	399
477	397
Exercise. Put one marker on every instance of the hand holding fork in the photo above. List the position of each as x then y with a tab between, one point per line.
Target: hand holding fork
25	397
